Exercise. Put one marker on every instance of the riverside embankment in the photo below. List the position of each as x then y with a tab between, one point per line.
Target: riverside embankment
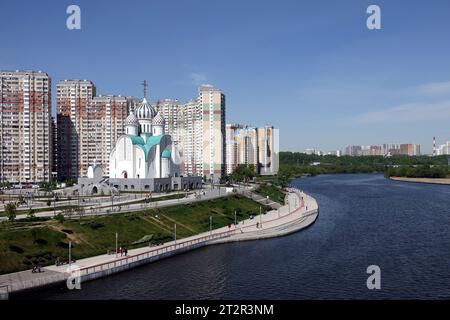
445	181
299	211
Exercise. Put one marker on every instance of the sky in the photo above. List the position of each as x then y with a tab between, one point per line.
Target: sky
310	68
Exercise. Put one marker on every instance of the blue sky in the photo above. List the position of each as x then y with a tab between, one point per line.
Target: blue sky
310	68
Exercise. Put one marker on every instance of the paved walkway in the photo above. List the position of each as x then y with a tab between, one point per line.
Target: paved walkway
299	212
260	199
125	206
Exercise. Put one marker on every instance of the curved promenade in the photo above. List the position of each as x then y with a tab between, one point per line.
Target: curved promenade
299	212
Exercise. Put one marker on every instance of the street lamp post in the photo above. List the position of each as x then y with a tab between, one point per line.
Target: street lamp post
235	219
175	232
210	224
260	217
70	254
54	201
212	181
117	238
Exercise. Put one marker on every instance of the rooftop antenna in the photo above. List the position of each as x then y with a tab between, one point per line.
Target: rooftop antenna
145	85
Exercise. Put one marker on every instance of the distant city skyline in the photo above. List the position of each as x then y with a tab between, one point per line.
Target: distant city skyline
311	67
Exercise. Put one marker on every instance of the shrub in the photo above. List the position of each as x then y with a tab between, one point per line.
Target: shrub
96	225
16	249
41	241
11	210
60	217
31	214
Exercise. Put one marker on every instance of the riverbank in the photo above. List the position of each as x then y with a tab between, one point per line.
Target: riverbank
27	243
445	181
299	212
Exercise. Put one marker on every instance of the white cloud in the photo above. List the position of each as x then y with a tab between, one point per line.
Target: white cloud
412	112
198	78
435	88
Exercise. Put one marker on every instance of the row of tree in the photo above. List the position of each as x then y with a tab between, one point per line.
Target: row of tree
242	173
294	164
418	172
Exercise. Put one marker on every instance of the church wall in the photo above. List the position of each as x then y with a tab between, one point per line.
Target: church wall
141	167
112	168
122	159
151	165
158	161
156	185
165	167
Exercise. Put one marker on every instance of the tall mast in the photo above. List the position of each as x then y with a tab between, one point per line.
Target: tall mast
145	85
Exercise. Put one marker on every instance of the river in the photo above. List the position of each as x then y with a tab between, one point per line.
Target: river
364	219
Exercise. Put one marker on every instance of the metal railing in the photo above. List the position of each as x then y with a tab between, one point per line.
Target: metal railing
188	244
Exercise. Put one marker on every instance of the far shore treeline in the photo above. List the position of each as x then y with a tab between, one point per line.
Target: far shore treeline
293	164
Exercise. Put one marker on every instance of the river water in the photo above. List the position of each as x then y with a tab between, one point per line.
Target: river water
364	220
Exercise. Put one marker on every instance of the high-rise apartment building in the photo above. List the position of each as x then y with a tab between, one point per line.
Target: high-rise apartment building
252	146
54	155
25	126
198	129
72	100
191	142
232	147
212	103
242	146
173	112
102	124
87	125
443	149
387	149
353	151
268	149
410	149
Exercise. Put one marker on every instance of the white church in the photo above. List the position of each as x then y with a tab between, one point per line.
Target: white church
144	151
143	159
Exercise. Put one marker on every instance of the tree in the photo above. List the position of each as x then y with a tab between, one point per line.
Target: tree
283	177
5	184
60	217
243	173
11	210
47	185
70	183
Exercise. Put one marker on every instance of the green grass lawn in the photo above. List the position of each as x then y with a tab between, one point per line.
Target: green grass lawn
274	192
22	244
